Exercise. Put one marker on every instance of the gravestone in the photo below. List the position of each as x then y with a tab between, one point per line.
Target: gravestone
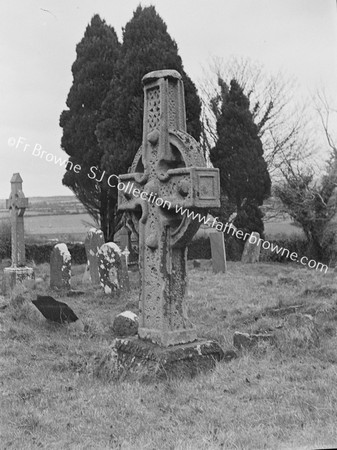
17	204
169	170
86	278
218	252
93	242
123	243
113	273
251	251
60	267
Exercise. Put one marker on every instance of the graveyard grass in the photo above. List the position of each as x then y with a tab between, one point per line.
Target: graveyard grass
58	388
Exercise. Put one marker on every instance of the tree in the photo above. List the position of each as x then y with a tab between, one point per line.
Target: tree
147	46
312	201
97	55
238	153
280	114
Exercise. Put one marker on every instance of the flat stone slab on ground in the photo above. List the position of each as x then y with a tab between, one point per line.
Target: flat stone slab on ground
136	356
247	341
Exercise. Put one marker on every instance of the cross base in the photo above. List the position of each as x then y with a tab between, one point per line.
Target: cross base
144	360
169	337
14	275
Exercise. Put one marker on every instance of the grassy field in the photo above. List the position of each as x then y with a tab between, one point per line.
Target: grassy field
273	229
65	227
58	389
73	227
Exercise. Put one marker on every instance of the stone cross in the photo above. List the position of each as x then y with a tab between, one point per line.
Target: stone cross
169	170
17	204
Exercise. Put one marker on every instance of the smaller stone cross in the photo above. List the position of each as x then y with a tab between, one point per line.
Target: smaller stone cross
18	272
17	204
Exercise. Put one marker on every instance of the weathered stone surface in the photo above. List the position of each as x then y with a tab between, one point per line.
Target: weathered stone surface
251	251
86	278
137	356
125	324
93	242
122	238
168	170
247	341
60	267
218	252
17	204
113	273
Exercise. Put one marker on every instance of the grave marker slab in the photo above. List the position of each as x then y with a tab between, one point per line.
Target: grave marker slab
60	267
251	251
113	273
218	252
93	242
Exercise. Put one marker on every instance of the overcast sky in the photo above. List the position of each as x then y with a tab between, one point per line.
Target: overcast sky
38	40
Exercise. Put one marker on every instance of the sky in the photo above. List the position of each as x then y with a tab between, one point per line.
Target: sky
37	48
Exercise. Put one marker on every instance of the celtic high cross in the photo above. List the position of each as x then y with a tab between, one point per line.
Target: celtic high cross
17	204
169	165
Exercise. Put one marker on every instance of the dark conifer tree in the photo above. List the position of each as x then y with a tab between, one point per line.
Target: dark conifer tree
238	154
97	54
147	46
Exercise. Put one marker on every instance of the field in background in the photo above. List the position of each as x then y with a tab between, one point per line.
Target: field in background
272	229
58	388
61	218
65	219
64	227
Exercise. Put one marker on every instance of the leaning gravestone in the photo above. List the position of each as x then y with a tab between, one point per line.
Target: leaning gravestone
218	252
113	273
17	204
93	242
60	267
169	170
251	251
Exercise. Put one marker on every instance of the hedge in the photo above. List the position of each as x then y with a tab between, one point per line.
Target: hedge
198	249
293	243
201	248
40	253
